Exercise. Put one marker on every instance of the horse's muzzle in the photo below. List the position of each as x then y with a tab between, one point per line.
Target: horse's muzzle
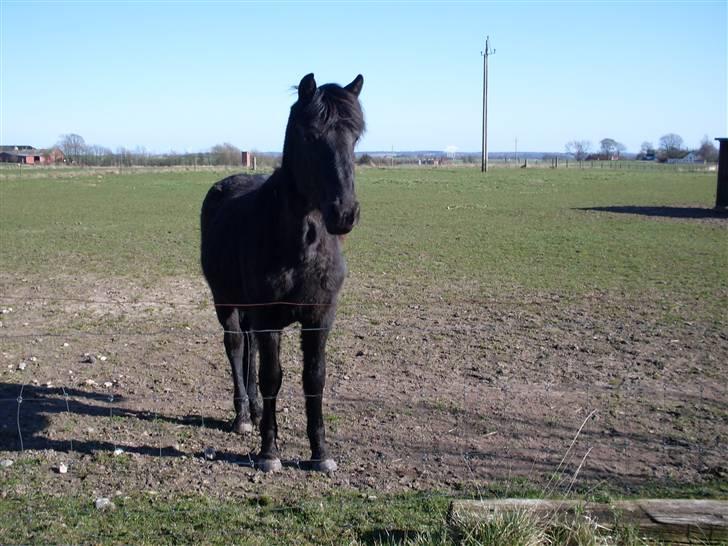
340	220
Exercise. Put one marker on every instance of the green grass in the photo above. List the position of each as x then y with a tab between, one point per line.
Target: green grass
413	519
511	228
524	228
145	519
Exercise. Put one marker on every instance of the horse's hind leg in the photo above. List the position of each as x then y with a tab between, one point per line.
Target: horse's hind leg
235	349
250	373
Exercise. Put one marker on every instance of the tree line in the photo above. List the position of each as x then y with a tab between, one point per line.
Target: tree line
671	146
78	152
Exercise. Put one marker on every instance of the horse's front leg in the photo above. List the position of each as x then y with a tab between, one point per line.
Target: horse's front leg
313	343
269	375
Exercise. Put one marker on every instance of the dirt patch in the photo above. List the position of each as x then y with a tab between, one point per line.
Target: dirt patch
424	394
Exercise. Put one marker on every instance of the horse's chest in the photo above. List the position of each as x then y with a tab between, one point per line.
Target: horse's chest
318	270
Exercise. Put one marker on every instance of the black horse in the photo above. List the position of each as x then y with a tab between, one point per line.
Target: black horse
271	254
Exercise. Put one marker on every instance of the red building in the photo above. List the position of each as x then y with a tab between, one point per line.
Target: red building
28	155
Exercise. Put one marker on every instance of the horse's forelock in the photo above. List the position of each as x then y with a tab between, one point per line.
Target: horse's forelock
332	106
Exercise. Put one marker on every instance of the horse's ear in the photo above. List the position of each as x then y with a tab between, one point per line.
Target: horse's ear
355	86
306	88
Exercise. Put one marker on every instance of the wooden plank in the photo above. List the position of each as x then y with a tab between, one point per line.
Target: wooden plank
679	521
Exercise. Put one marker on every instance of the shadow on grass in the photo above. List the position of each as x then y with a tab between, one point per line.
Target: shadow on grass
391	536
25	412
689	213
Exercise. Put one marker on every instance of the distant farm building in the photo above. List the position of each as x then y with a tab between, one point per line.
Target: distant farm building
690	157
27	155
249	161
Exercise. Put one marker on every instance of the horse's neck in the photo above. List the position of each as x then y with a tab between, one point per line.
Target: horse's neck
289	205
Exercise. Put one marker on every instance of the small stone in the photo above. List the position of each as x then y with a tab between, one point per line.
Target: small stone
102	358
118	451
102	503
108	384
209	453
33	359
88	359
62	468
22	366
89	382
6	463
65	345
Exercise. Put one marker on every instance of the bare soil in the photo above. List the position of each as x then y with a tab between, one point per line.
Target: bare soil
429	394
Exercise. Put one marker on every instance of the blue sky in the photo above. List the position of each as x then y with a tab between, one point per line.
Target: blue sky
187	75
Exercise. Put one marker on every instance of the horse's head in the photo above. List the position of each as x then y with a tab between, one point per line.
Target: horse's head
323	128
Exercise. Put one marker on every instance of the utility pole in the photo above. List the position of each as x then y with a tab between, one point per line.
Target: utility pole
485	54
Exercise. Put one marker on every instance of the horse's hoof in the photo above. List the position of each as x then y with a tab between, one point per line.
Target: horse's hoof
327	465
255	419
269	465
242	427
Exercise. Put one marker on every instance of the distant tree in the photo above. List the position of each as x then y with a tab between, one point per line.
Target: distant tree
621	148
607	147
124	157
141	157
94	154
365	159
73	147
671	146
578	148
610	148
225	154
647	150
708	151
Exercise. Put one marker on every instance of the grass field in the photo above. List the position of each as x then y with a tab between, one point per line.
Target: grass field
502	307
514	229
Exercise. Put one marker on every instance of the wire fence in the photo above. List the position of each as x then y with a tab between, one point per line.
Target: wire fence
450	398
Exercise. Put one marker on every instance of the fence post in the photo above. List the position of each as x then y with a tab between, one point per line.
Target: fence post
721	194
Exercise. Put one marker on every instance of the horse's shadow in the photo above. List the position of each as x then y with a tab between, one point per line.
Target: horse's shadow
26	412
